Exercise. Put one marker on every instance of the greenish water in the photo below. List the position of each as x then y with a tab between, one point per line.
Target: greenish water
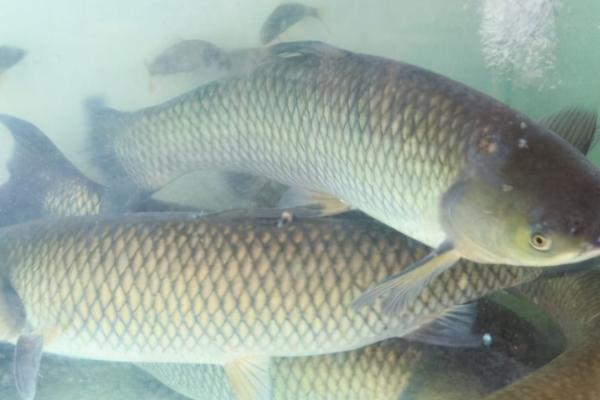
79	49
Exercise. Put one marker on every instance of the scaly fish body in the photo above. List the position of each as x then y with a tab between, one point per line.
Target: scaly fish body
176	288
357	127
424	154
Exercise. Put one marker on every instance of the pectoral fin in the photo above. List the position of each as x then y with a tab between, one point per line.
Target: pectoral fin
320	203
242	184
400	290
122	196
249	378
28	354
576	125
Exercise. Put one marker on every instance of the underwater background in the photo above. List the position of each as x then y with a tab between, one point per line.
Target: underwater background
537	56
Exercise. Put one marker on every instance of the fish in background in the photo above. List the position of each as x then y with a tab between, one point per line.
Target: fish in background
283	17
196	55
9	56
200	56
428	156
187	56
44	183
572	302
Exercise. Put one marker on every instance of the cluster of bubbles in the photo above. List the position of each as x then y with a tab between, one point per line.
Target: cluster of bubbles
518	39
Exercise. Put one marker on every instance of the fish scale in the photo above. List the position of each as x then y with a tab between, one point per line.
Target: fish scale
178	288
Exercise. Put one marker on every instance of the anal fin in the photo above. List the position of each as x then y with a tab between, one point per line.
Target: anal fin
28	355
453	328
249	378
194	381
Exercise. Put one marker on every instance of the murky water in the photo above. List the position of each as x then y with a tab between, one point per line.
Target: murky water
537	56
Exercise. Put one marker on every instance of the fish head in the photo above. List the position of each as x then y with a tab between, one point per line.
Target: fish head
534	202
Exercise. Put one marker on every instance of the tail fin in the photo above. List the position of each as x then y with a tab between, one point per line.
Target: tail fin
105	124
30	142
36	166
120	193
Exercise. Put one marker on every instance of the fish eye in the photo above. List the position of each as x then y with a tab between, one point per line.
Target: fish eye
540	242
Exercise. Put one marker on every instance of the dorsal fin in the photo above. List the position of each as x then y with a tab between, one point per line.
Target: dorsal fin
313	48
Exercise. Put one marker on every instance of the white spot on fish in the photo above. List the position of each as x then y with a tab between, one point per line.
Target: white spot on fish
488	145
522	143
487	339
523	125
506	188
285	218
